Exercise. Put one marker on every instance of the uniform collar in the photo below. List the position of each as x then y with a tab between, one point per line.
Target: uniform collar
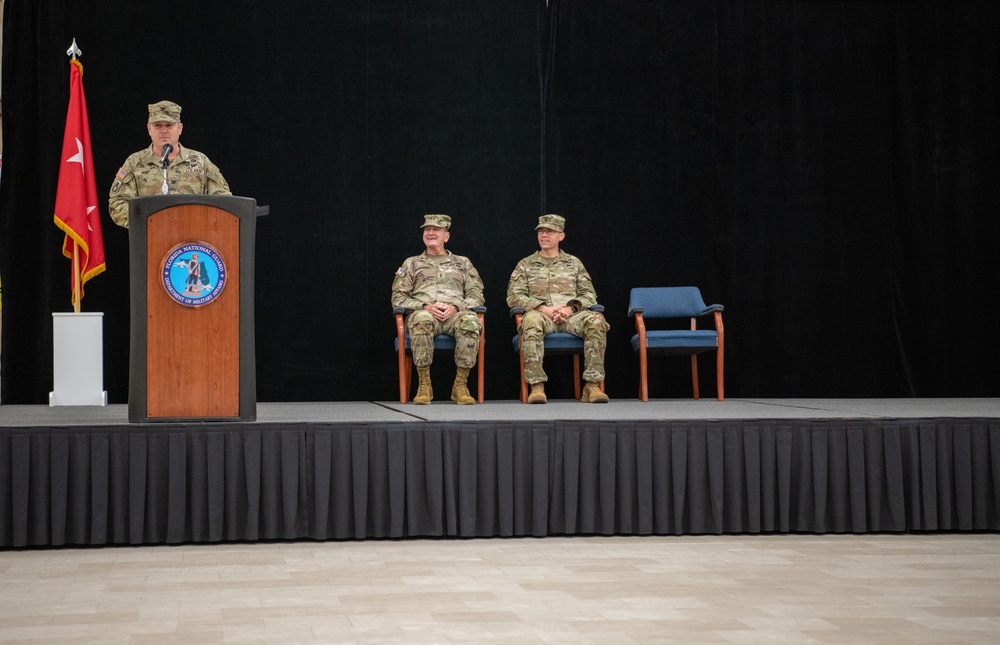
538	257
447	254
152	158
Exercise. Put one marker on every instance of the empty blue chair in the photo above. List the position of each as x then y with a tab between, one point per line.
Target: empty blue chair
442	342
650	303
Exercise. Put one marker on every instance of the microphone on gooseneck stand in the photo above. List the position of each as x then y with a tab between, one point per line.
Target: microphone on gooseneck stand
165	162
167	149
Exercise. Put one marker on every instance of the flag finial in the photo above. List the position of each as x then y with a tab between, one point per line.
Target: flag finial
73	50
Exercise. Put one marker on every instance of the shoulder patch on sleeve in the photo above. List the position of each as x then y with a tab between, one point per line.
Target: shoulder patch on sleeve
400	271
122	173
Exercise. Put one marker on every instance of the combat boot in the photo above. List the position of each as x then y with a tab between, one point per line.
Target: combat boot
537	393
425	394
592	393
460	390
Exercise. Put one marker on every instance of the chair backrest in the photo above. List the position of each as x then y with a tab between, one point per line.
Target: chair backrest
667	302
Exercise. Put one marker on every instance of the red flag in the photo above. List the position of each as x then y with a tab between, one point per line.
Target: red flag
76	210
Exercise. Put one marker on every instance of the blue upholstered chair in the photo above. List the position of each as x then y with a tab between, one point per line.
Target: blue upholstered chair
555	343
650	303
442	342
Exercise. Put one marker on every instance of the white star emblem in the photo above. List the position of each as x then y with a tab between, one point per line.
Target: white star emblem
78	157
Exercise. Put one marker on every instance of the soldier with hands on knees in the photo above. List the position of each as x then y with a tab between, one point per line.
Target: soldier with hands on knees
438	289
555	290
151	172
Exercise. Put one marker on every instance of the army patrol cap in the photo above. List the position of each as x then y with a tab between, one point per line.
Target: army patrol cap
553	222
437	220
164	111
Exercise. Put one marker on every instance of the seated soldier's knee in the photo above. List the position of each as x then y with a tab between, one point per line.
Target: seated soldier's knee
420	319
533	322
421	329
529	334
596	323
469	325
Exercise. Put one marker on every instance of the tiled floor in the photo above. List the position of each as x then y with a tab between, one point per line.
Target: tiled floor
734	589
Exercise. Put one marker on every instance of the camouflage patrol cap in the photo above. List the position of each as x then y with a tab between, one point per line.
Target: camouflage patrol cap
164	111
438	220
552	222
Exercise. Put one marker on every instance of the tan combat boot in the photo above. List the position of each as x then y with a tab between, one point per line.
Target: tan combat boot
460	389
537	393
424	391
592	393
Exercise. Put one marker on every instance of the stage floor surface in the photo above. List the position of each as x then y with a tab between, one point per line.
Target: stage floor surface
557	410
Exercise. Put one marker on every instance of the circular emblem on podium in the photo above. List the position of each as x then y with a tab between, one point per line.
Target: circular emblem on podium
193	274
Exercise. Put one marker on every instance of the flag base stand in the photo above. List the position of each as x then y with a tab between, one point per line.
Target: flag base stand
78	359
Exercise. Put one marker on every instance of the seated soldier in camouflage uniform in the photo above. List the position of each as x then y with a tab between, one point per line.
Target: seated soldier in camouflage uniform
555	291
188	172
439	289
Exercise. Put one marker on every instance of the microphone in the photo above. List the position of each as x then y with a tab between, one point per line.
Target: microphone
167	149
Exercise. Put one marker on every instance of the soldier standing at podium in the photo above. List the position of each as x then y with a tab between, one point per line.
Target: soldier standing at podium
439	289
151	172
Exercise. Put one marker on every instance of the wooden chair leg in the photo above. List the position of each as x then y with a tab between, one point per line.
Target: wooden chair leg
404	381
643	375
402	359
576	377
481	359
720	328
409	375
694	375
640	329
482	380
524	385
718	376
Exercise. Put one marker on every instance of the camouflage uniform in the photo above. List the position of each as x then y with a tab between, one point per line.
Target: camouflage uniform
190	173
562	280
425	279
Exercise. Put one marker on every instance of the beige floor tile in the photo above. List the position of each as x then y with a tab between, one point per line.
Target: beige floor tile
933	588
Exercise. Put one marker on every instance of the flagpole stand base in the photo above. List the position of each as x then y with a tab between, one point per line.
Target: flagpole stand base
78	359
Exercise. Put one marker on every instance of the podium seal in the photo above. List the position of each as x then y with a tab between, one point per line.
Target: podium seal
193	274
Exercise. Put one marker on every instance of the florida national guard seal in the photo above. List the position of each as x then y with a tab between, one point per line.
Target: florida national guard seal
193	274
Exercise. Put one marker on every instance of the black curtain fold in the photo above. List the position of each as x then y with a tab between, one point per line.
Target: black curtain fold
151	485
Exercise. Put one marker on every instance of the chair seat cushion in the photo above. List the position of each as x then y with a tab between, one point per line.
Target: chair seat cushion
558	341
678	341
441	341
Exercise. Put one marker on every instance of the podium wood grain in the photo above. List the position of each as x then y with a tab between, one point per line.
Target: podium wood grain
193	353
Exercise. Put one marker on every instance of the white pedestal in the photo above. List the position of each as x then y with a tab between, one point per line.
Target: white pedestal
78	359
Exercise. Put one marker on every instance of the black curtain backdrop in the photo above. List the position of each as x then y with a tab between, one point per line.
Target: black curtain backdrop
826	170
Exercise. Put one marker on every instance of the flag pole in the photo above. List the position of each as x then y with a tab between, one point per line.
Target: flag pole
76	278
77	338
73	52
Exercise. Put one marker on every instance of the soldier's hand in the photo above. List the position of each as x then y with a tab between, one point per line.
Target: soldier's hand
556	314
562	314
441	311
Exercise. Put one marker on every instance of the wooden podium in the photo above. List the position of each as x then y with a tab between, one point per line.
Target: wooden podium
191	263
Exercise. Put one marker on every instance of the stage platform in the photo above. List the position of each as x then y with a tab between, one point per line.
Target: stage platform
364	470
557	410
